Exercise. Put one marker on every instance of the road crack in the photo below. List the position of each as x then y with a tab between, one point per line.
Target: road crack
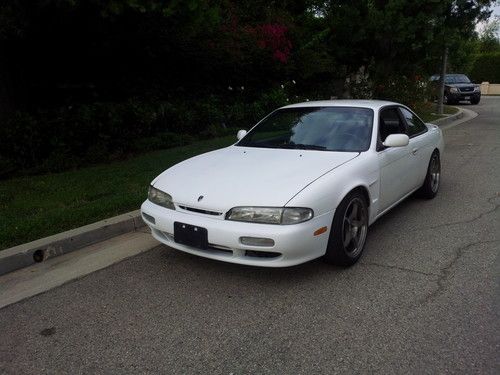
400	268
478	217
446	271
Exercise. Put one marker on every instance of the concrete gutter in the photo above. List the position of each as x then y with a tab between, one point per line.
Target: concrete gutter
466	115
37	251
38	278
449	119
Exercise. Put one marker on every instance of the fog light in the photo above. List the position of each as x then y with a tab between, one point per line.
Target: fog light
257	241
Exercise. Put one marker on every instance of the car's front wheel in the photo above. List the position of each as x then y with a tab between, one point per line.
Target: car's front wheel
349	230
475	100
447	100
433	177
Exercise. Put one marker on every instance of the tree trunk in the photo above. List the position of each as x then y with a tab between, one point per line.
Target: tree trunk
441	81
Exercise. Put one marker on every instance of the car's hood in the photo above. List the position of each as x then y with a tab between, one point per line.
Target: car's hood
246	176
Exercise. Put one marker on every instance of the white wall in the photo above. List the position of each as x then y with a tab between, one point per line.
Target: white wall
490	88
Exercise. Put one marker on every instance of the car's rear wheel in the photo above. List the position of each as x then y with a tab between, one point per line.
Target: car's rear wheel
433	177
349	230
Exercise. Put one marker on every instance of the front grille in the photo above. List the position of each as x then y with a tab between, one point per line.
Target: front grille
466	89
261	254
200	211
223	249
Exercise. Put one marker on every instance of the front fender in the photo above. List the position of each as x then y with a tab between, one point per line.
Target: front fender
326	193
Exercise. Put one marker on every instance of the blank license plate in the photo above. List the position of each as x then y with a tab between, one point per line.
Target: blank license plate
190	235
467	97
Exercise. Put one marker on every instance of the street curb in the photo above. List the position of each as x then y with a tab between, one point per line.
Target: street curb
451	118
24	255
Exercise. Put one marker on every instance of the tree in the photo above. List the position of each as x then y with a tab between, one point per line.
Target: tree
456	22
489	37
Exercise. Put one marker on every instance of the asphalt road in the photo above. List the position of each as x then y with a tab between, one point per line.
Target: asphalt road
423	299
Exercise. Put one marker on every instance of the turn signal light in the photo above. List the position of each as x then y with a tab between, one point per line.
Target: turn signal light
319	231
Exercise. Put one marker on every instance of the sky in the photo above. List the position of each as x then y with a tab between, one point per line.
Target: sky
495	13
496	9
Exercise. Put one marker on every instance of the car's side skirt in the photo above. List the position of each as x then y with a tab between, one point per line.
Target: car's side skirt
394	205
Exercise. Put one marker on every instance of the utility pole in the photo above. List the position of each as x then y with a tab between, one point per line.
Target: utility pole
441	81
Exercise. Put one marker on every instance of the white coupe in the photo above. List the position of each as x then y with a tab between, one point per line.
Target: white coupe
305	182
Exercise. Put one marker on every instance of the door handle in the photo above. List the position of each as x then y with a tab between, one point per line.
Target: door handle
414	151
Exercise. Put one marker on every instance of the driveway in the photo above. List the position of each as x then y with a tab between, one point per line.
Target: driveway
423	299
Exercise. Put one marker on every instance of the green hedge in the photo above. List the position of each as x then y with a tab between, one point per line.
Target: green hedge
486	68
70	137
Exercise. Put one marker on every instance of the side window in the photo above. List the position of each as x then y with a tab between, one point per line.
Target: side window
390	123
415	125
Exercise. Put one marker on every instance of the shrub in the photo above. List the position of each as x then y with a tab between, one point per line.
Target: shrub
486	68
7	167
69	137
410	91
162	141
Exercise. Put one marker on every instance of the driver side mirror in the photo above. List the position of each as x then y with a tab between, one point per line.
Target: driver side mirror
241	134
396	140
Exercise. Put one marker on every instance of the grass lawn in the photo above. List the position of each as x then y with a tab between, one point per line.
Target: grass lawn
428	114
33	207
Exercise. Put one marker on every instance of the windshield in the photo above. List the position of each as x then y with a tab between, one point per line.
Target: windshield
314	128
456	78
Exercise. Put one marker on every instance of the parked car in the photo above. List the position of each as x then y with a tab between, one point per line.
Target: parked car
303	183
458	87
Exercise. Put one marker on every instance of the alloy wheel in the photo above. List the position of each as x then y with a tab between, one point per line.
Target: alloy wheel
435	173
355	227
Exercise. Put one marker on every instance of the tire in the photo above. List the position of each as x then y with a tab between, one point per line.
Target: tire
475	101
432	180
351	222
447	100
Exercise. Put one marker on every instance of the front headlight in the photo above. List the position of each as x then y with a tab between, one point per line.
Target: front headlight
160	198
477	88
453	89
270	215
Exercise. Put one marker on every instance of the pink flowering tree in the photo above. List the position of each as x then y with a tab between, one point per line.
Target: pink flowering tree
273	38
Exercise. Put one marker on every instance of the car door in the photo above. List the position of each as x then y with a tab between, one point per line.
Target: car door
394	162
416	130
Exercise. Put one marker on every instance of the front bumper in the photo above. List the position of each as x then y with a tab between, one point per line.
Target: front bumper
459	96
293	244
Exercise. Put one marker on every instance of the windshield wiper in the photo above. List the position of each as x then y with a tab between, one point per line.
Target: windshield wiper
300	146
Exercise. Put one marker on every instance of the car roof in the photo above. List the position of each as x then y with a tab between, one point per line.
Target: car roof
358	103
